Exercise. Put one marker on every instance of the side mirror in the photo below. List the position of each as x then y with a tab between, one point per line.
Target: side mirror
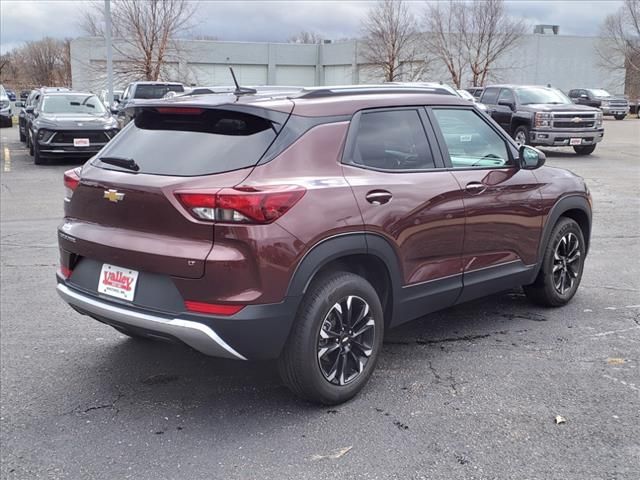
507	103
29	109
531	158
19	104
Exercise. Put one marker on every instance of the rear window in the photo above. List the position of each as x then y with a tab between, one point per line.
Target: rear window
490	96
191	142
156	91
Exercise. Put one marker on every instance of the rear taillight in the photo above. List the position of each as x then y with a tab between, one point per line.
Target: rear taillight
213	308
71	181
242	204
65	272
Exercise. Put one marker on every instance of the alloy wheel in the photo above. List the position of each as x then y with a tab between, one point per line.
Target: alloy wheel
521	138
566	263
346	340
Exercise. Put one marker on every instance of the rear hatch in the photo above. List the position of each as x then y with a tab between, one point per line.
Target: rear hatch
127	214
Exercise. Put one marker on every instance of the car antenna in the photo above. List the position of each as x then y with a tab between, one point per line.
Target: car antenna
241	90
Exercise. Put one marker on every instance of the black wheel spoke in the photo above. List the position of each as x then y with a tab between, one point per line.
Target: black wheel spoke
566	263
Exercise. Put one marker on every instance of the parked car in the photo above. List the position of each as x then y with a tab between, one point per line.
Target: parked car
11	94
6	115
475	91
610	105
442	89
117	95
303	227
24	94
26	115
535	115
137	91
69	125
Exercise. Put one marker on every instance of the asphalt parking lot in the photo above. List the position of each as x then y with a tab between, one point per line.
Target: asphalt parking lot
469	393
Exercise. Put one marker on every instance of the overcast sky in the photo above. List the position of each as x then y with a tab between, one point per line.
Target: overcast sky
23	20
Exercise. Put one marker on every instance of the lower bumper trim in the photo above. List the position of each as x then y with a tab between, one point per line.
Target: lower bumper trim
196	335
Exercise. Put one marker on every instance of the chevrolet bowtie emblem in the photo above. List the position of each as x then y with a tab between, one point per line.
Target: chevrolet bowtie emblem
113	195
576	119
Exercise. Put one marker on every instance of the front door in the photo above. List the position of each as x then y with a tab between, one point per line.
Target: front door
503	203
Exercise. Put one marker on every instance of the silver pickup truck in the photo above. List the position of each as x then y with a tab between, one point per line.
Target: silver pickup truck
610	105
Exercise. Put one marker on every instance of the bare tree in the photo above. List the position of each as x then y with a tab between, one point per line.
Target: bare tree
619	48
471	35
490	34
145	33
445	24
305	37
392	42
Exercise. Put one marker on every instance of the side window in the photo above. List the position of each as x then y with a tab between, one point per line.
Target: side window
471	142
506	95
391	140
490	96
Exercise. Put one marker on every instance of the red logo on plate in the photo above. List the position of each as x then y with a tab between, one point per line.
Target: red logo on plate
118	280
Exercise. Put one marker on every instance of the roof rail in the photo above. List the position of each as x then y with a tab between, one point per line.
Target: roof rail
320	92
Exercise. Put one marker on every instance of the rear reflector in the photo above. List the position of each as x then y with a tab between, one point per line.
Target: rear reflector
242	204
71	181
212	308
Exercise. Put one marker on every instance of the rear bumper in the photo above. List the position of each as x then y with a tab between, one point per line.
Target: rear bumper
561	138
257	332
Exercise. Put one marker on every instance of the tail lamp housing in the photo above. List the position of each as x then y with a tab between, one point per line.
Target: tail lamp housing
243	204
71	181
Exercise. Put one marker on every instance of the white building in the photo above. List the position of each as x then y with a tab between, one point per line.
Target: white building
560	60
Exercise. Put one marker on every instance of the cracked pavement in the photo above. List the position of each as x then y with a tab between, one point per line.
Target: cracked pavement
467	393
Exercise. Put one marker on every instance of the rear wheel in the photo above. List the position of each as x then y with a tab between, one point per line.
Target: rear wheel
620	117
521	135
334	344
584	150
562	266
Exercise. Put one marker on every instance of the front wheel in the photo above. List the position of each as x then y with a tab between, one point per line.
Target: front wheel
562	266
23	137
584	150
37	157
335	341
521	135
620	117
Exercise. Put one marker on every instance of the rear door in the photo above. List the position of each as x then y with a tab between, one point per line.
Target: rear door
504	113
503	204
404	197
133	218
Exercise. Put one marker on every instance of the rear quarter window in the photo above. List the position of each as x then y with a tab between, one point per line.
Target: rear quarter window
192	143
490	96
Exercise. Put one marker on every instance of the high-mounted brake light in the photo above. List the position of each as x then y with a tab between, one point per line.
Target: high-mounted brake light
212	308
180	110
242	204
71	181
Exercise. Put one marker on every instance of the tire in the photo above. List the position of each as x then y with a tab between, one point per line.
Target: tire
566	242
37	158
320	378
584	150
23	138
29	144
521	135
620	117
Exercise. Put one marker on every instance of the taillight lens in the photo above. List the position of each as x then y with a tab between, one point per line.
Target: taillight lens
65	272
71	181
242	204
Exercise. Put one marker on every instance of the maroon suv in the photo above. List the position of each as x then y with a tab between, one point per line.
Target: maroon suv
302	228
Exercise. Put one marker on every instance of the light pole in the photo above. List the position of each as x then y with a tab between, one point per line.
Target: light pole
107	36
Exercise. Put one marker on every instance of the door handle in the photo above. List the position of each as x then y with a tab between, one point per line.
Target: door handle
475	188
378	197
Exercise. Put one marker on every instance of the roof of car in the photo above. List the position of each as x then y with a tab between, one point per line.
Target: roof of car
508	85
322	101
149	82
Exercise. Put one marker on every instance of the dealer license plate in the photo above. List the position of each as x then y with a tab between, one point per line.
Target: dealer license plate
80	142
118	282
575	141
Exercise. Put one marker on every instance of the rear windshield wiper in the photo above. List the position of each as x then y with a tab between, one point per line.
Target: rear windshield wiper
128	163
